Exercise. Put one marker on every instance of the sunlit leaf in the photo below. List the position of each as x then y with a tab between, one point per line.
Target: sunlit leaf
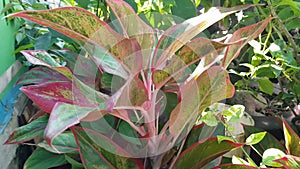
213	85
292	140
255	138
248	33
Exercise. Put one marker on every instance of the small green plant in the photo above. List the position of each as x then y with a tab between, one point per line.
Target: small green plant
133	95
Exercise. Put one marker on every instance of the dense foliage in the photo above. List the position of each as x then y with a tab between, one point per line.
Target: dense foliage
114	94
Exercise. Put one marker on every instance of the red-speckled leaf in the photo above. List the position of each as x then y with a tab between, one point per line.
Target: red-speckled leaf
29	131
178	35
248	33
202	152
98	151
132	93
40	75
211	86
43	58
234	166
200	48
126	16
46	95
74	22
292	140
129	51
64	116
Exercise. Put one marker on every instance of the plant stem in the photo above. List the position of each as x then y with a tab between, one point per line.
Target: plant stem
283	29
235	140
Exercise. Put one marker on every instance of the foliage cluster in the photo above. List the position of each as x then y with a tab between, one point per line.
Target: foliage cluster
120	95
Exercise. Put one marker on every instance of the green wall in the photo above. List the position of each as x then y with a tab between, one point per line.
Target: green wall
7	58
7	33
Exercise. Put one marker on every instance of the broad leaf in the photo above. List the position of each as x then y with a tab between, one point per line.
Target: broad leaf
184	9
269	141
125	15
213	85
64	116
200	153
29	131
292	140
41	158
64	143
74	22
248	33
200	48
46	95
38	75
98	151
178	35
43	58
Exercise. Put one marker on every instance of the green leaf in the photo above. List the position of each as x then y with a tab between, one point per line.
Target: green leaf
64	143
270	155
200	153
184	9
29	131
292	140
234	113
98	151
269	141
255	138
128	133
41	158
265	85
208	117
75	164
223	138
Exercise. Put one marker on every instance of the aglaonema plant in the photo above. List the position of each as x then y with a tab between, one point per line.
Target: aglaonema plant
132	97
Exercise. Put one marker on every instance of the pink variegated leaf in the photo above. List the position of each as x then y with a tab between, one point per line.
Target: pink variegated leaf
248	33
126	16
74	22
211	86
39	75
198	49
178	35
98	151
63	116
43	58
46	95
